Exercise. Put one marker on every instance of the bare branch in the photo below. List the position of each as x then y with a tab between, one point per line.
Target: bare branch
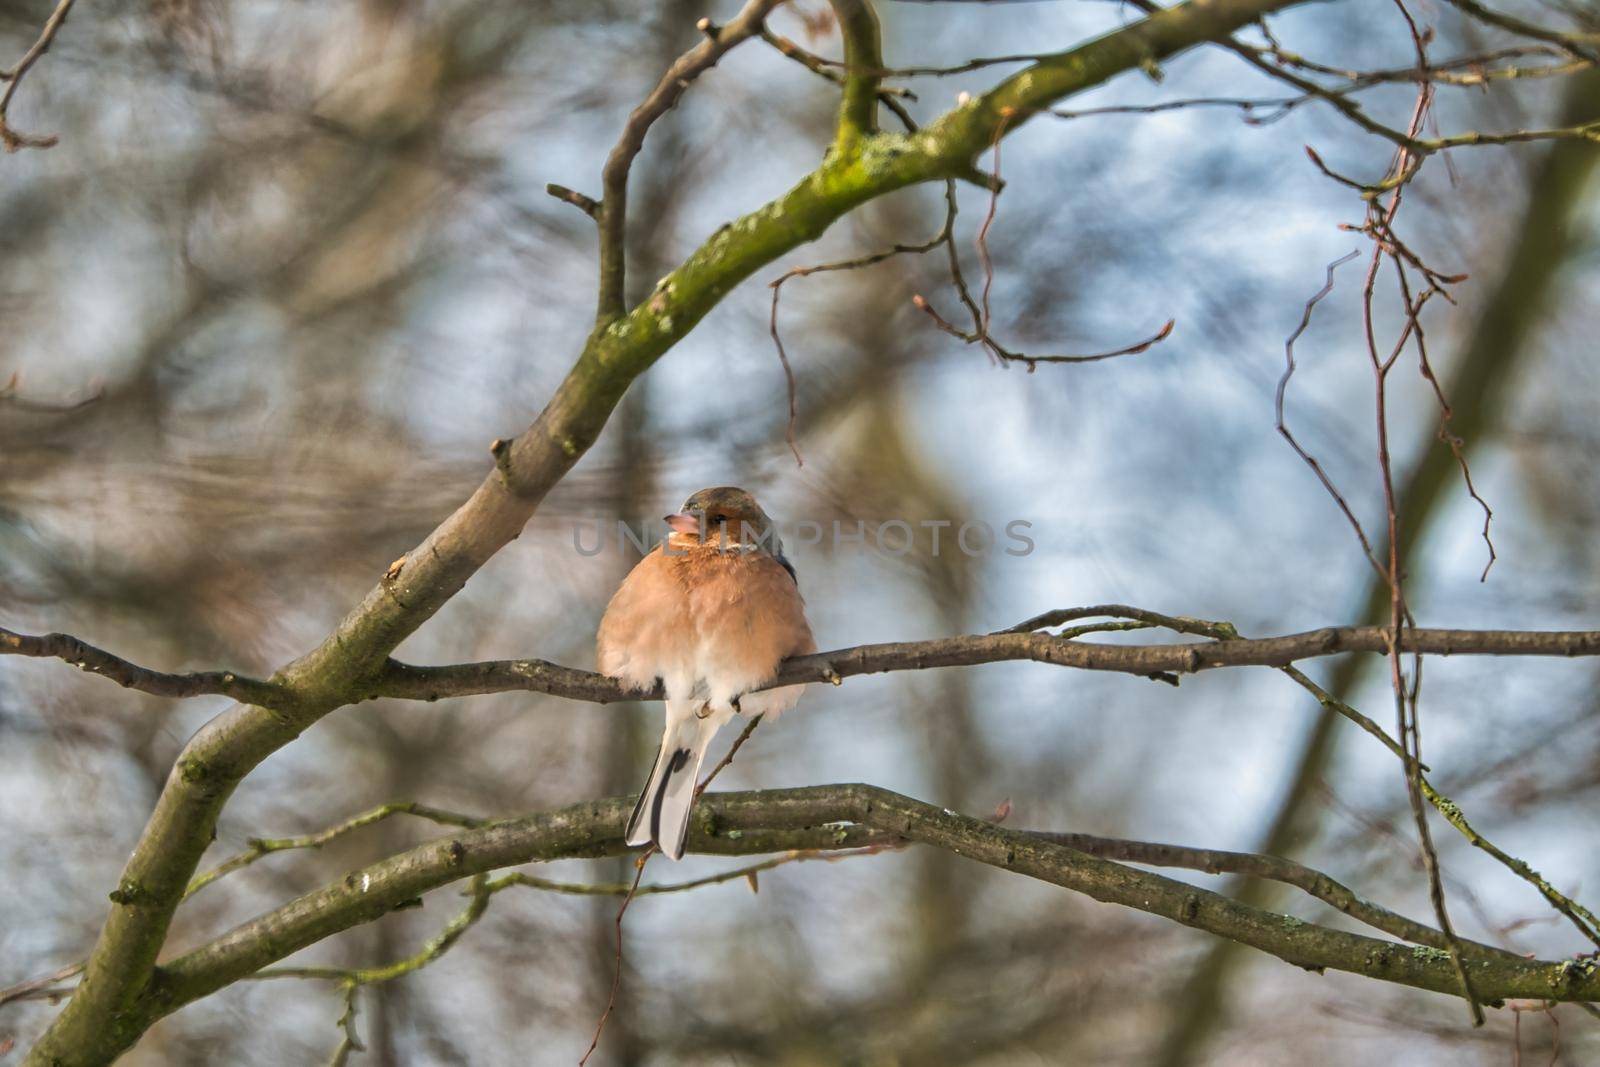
407	682
1282	423
92	660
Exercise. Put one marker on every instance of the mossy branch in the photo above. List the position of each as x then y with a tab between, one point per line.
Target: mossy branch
849	816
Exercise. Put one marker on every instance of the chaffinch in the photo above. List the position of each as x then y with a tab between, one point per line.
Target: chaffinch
710	613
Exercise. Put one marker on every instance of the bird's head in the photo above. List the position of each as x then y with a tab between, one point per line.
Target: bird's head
724	516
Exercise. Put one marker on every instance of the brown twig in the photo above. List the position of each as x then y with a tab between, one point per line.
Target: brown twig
616	974
888	95
1418	147
945	236
1425	368
981	332
43	987
819	63
1473	71
738	743
633	891
987	261
52	26
1282	423
871	259
1381	220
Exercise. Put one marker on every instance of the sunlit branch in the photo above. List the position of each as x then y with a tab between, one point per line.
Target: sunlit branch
844	817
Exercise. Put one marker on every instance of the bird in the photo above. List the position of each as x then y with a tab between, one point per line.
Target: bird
709	614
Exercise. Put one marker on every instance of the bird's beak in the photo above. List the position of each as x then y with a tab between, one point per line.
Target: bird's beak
686	524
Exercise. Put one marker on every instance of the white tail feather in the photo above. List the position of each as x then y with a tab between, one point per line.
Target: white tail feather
662	811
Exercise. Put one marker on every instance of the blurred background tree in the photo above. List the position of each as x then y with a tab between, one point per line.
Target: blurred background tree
289	269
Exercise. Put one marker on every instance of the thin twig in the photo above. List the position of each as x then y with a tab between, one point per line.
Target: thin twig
1282	424
616	973
265	846
871	259
944	236
633	891
1581	917
981	333
52	26
1381	220
733	750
